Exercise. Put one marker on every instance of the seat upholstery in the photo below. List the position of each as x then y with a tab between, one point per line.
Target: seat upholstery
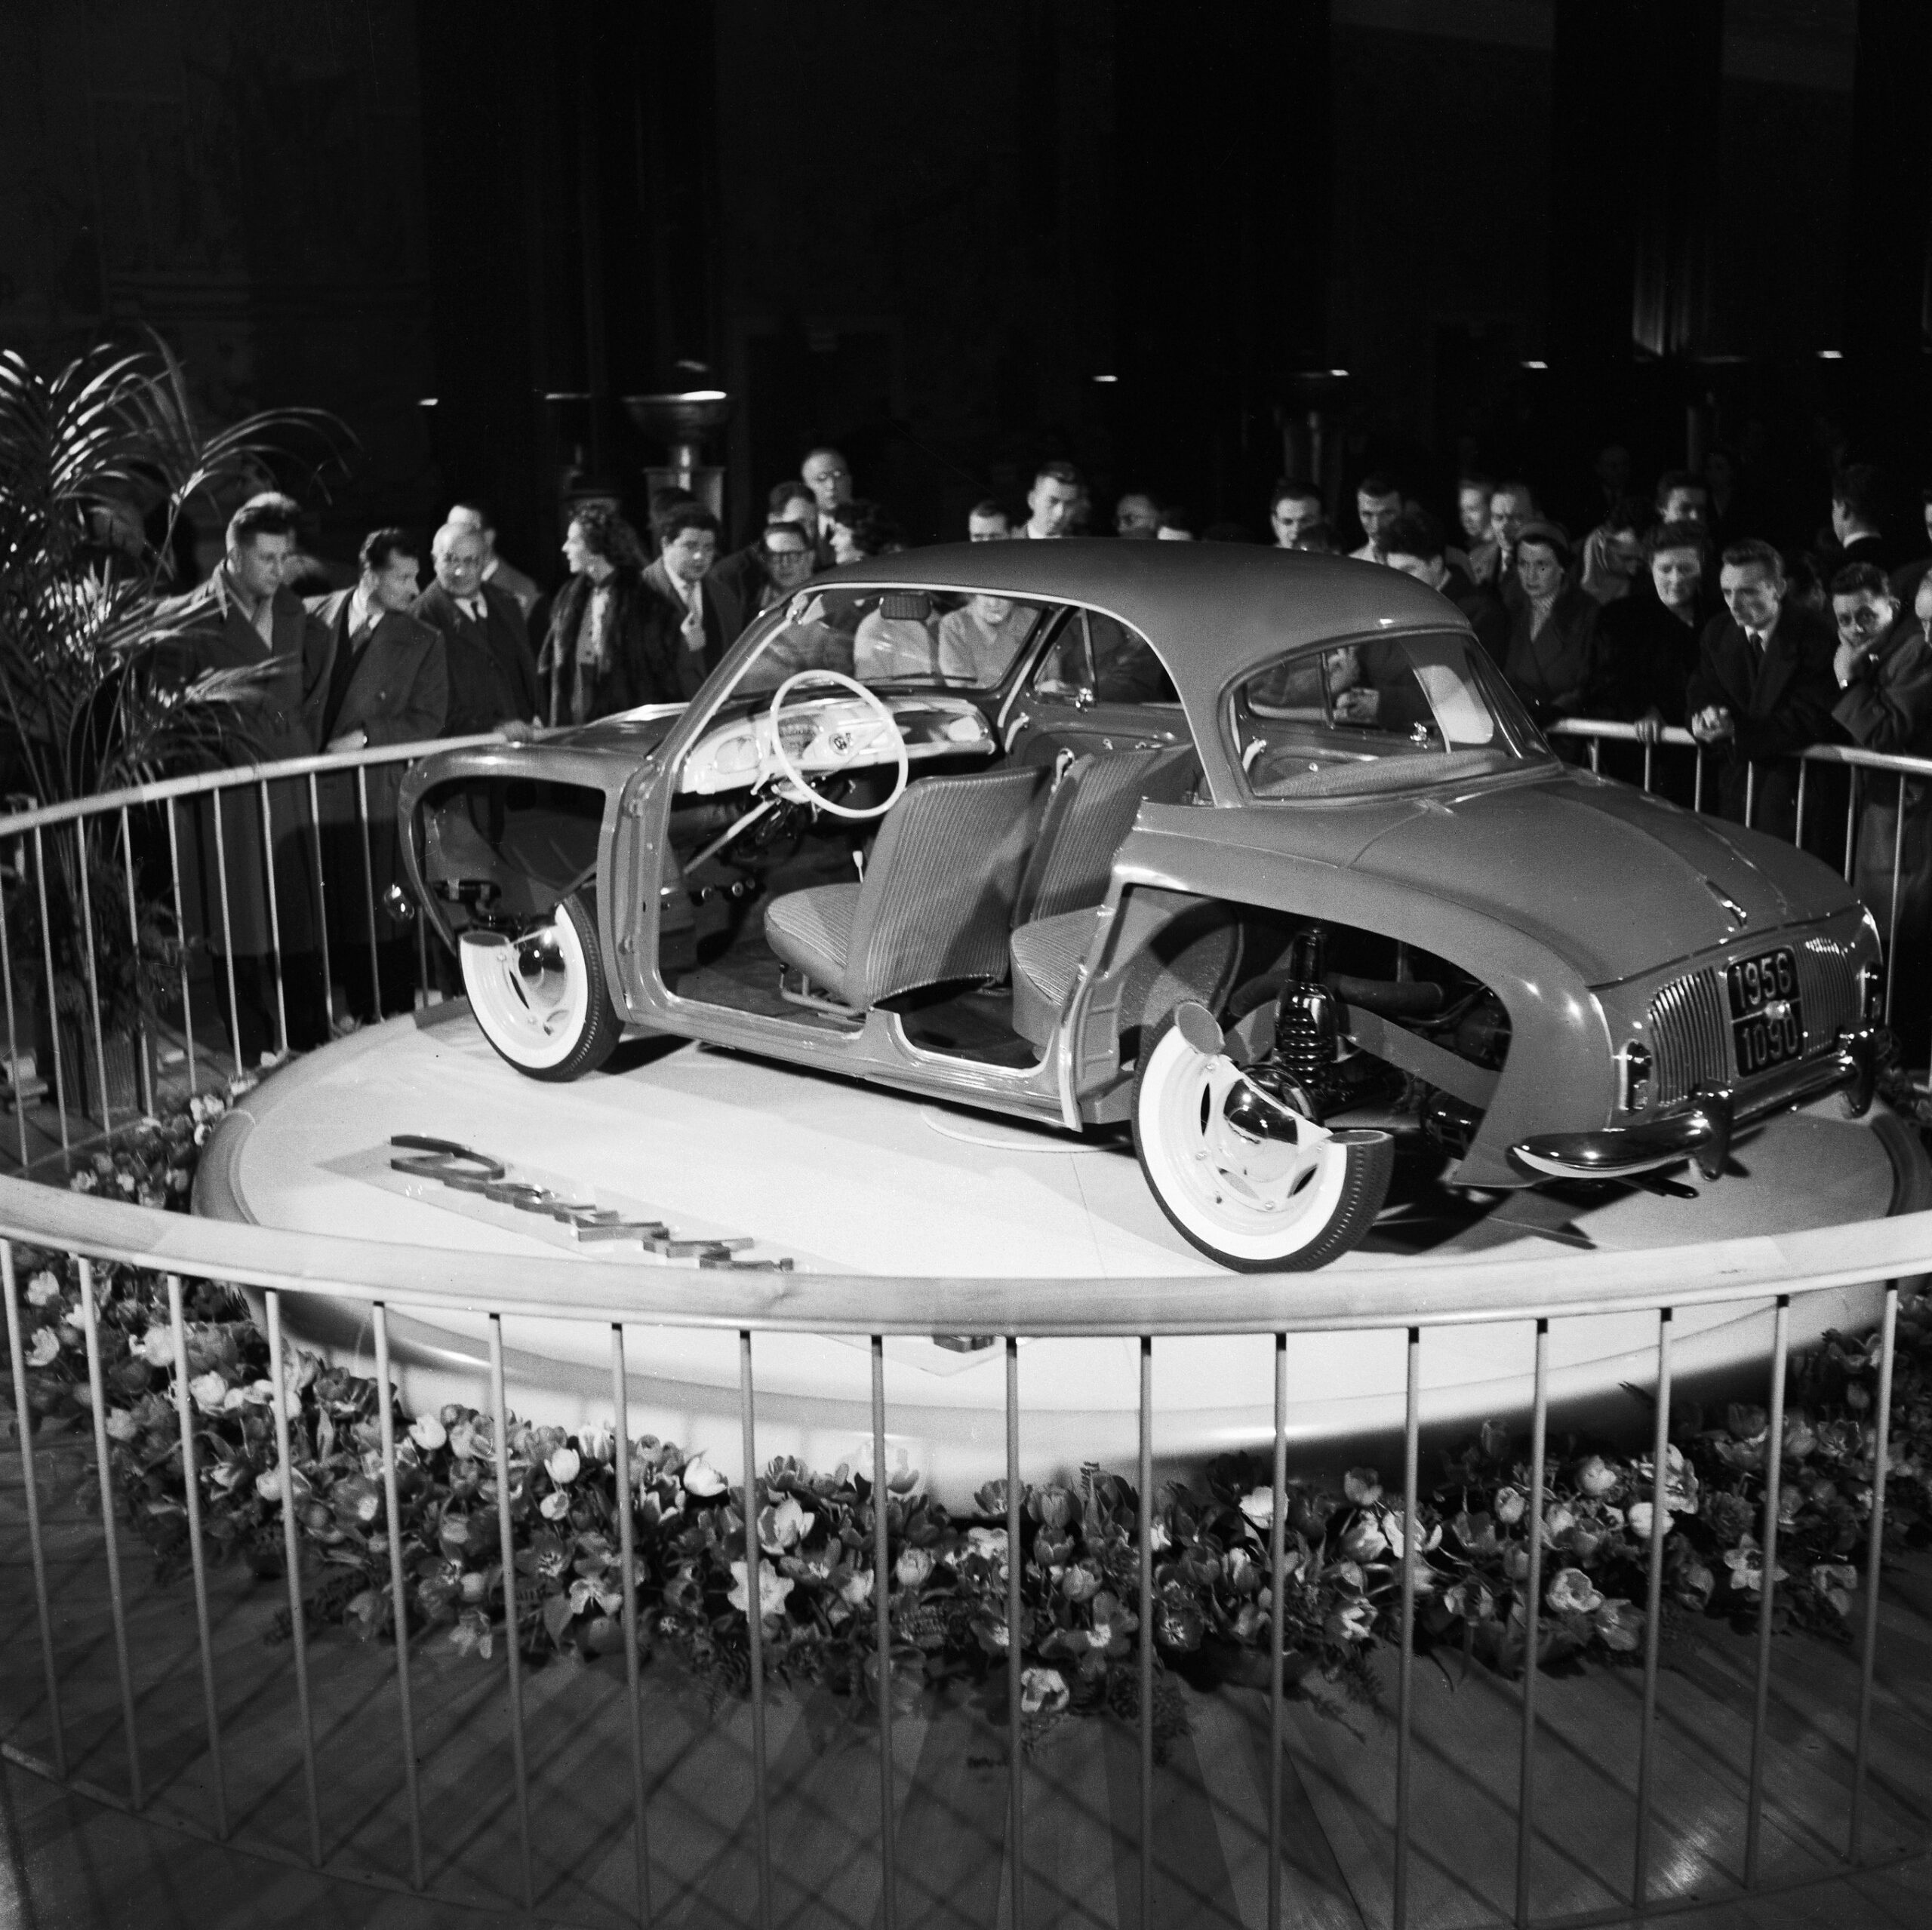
937	903
1066	878
1092	810
1046	955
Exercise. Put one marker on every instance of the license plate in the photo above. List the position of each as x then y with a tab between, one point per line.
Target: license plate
1766	1020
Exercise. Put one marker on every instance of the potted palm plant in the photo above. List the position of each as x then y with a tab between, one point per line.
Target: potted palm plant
100	460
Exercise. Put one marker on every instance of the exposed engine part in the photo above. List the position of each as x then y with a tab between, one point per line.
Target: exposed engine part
1482	1033
1299	1072
1449	1122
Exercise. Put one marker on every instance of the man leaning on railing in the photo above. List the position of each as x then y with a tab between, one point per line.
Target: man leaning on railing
1884	669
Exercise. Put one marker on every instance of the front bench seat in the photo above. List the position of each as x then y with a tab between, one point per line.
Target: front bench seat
936	902
1066	882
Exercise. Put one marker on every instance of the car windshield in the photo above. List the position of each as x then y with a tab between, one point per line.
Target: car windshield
899	637
1383	714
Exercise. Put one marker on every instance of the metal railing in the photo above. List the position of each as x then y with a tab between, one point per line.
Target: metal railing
1779	1270
158	847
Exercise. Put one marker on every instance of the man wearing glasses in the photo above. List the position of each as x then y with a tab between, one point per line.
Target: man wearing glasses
827	475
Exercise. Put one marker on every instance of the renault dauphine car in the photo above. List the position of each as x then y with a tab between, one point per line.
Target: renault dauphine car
1252	854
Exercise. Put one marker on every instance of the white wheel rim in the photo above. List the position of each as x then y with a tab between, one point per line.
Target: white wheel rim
531	995
1251	1200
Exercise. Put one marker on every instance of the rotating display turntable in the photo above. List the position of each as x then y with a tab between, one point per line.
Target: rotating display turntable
699	1159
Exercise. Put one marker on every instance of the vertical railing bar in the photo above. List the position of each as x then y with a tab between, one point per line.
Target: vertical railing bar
500	1422
399	1587
1874	1553
13	1040
322	909
219	799
1766	1593
1640	1882
882	1610
274	924
1532	1622
1016	1828
369	884
1804	772
1892	923
184	1408
1146	1658
755	1624
1750	793
1278	1544
134	939
627	1553
23	1430
117	1602
53	996
1650	753
181	939
1697	780
1852	790
292	1555
93	980
1406	1663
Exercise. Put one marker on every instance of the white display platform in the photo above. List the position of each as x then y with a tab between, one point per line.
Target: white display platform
841	1178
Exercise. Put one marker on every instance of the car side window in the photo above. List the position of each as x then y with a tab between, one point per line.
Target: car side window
1097	659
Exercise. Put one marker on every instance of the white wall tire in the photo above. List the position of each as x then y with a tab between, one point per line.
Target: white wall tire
541	998
1258	1206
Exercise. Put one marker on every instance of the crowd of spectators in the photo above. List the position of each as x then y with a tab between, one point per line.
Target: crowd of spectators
1671	611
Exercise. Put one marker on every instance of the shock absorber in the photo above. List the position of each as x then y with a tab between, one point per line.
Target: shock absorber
1299	1067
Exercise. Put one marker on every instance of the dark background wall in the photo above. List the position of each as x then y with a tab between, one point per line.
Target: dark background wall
931	232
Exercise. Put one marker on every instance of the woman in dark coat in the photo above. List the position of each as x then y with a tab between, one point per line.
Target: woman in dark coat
1546	639
593	660
1650	641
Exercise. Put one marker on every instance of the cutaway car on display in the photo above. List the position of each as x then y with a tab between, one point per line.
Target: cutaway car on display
1254	853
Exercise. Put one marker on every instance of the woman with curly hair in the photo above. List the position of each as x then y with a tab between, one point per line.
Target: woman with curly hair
593	659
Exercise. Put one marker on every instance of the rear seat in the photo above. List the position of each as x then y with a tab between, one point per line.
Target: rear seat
1066	876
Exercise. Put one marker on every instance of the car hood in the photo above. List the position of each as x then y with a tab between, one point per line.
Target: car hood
1615	882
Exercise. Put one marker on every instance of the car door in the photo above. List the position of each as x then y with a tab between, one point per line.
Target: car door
1095	685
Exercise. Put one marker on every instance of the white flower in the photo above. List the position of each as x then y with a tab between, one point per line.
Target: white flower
563	1466
428	1433
773	1589
990	1542
1509	1506
260	1393
44	1347
42	1289
1043	1692
1596	1476
554	1505
787	1524
1258	1504
1572	1590
856	1590
701	1479
156	1346
913	1566
595	1443
268	1484
121	1425
468	1442
1638	1520
211	1392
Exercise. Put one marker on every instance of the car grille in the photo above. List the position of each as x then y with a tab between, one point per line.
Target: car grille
1689	1037
1690	1026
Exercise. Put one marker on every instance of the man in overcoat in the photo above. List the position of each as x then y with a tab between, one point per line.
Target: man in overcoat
492	668
380	679
256	918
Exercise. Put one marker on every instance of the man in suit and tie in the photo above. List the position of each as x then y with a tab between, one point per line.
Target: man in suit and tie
504	576
380	678
828	477
1763	689
492	672
689	620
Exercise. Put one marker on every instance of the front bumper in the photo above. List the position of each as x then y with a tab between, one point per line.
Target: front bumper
1701	1129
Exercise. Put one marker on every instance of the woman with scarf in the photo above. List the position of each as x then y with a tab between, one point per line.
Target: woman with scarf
593	660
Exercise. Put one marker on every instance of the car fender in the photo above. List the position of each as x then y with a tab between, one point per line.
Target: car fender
1559	1075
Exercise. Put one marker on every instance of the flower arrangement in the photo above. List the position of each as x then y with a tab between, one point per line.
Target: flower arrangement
561	1590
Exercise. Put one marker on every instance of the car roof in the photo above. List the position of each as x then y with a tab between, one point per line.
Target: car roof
1211	609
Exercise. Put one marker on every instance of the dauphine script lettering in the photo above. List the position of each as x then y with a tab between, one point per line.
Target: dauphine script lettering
465	1170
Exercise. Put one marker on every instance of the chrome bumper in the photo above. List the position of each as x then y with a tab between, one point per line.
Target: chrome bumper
1702	1128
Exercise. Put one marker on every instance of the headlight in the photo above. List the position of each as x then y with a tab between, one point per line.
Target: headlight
1636	1062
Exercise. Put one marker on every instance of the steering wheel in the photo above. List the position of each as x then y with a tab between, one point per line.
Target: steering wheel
798	777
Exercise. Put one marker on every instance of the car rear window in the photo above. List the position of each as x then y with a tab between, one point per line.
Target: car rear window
1379	713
